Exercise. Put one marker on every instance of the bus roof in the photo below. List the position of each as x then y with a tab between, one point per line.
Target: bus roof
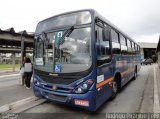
95	14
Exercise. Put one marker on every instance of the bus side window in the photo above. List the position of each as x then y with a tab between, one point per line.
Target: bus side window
115	42
103	47
123	45
129	46
133	47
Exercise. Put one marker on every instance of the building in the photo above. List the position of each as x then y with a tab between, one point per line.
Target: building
148	50
12	42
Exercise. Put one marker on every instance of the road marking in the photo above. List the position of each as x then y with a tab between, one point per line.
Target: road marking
156	97
9	75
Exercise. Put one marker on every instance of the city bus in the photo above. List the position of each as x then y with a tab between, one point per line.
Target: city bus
82	60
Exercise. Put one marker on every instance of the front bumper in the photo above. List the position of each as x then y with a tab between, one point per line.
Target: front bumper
66	98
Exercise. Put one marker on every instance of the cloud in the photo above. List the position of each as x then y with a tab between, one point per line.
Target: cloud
137	18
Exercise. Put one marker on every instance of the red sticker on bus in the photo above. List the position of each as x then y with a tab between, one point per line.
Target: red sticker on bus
81	102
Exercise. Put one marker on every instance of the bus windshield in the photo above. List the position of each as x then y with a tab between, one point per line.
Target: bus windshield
71	19
73	54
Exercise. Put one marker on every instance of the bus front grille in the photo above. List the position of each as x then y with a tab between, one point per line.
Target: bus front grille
57	97
58	89
65	80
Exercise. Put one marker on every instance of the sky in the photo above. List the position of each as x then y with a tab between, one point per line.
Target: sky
140	19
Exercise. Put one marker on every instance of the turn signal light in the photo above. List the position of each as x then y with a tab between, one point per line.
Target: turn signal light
90	82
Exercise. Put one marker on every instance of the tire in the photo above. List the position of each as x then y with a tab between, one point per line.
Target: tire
135	74
114	89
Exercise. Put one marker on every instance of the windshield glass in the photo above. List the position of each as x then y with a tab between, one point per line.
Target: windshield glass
63	55
71	19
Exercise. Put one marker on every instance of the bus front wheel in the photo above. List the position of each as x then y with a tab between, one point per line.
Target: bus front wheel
114	89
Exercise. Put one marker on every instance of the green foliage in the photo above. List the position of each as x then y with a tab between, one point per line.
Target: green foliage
8	66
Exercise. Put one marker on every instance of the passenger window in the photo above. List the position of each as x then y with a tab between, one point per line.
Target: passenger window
136	48
103	47
129	46
133	47
123	45
115	42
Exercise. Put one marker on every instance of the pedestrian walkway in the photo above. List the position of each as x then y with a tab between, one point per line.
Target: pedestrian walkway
4	72
157	78
12	93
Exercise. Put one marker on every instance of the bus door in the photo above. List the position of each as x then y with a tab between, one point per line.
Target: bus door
104	66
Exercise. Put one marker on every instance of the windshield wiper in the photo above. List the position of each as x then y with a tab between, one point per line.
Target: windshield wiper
66	34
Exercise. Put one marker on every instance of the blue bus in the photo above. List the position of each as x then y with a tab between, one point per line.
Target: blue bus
82	60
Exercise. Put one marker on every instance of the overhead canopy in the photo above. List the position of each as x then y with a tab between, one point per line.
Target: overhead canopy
147	45
10	41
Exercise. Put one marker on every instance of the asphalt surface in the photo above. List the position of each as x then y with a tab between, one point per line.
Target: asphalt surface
136	97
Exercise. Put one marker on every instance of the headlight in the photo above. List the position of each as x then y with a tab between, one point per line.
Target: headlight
84	86
79	90
36	82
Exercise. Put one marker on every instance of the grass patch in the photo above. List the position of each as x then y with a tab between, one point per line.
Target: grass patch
8	66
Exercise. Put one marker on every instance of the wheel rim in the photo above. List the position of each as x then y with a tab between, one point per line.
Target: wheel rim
115	87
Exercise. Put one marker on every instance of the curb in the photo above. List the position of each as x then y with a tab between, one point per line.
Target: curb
10	75
13	105
4	108
27	106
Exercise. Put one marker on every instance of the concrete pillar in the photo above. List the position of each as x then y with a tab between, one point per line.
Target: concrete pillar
13	62
23	47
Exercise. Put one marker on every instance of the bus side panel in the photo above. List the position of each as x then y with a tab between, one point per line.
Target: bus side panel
124	75
104	90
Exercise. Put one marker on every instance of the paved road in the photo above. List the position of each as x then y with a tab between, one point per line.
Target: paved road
136	96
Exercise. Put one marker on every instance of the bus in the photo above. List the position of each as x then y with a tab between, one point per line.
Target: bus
82	60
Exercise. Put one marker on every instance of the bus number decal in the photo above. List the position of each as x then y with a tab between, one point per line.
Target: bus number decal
100	78
58	37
